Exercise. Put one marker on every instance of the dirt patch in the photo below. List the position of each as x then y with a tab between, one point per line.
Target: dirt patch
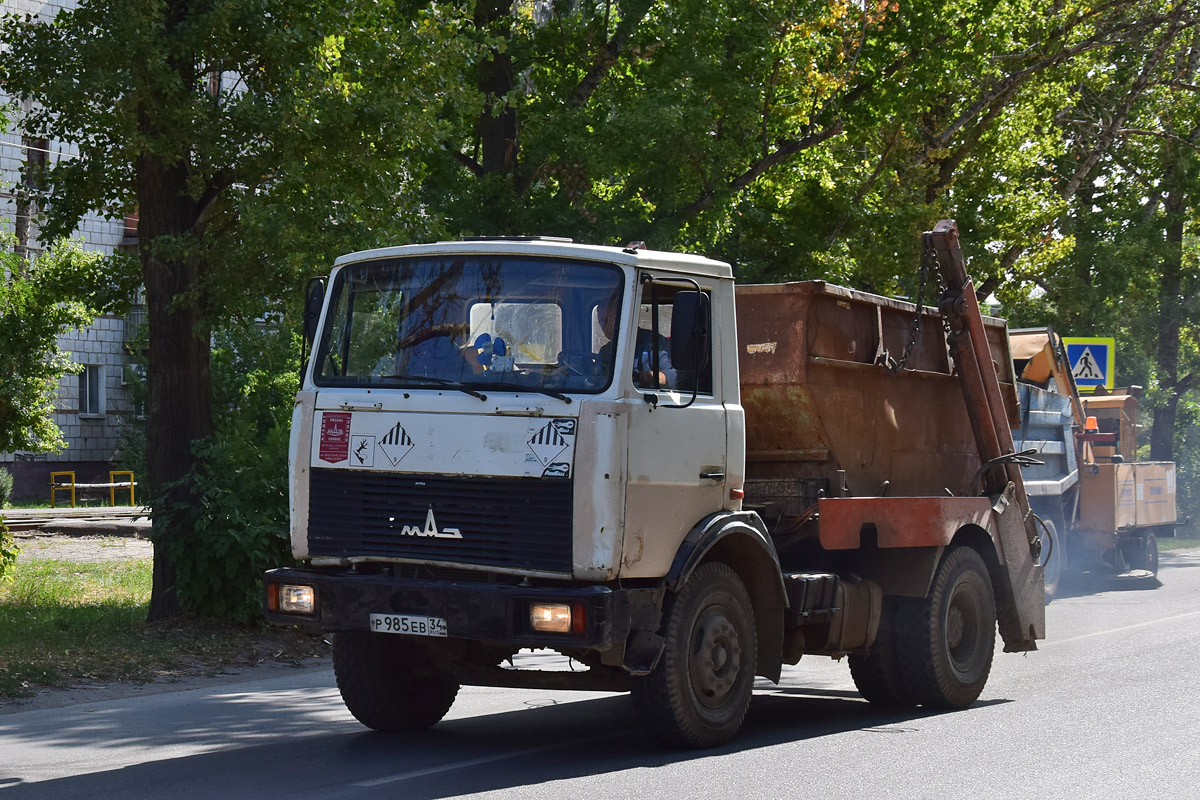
83	548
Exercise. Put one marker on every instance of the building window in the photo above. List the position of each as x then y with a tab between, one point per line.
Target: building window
91	391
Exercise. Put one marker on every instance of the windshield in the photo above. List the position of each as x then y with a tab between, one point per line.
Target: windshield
509	322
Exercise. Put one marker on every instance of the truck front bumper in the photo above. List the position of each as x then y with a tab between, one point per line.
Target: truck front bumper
482	612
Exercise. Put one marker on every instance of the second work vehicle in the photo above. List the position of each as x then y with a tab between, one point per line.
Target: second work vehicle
615	454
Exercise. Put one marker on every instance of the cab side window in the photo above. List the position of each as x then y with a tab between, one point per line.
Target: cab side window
655	355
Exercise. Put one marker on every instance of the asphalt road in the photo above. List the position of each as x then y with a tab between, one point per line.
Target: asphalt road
1107	708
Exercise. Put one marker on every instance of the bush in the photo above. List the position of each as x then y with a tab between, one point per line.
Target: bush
236	523
8	550
6	487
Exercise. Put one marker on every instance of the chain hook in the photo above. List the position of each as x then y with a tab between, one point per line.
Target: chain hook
929	262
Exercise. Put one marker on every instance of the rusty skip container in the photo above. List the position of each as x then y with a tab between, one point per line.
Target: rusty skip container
825	414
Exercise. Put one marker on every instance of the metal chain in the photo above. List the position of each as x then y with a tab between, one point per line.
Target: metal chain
929	259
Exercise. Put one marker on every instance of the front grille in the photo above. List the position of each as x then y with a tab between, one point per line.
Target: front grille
513	523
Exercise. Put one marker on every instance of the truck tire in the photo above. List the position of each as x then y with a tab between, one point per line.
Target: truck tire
877	675
945	649
699	693
1150	559
1144	554
377	675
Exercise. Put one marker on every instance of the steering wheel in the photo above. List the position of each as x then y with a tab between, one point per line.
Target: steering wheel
579	362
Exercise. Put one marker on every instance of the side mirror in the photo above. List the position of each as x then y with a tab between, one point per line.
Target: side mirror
314	298
689	330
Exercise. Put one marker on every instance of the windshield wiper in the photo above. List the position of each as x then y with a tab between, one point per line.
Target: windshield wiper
449	384
520	387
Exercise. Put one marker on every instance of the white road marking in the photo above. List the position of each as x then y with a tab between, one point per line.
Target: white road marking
1107	631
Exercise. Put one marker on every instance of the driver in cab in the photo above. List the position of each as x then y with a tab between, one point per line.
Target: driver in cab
645	346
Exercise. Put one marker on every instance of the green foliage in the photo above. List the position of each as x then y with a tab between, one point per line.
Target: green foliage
1187	460
257	139
6	487
235	524
8	551
308	148
35	308
8	548
236	520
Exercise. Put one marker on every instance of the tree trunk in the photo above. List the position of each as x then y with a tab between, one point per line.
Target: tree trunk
498	122
179	410
1162	435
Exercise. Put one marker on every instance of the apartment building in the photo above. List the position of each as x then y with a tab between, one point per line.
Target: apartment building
95	403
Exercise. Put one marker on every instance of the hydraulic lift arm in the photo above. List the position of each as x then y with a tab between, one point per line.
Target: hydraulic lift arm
1021	602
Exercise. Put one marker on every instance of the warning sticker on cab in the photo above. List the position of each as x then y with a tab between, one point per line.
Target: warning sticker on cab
335	437
445	444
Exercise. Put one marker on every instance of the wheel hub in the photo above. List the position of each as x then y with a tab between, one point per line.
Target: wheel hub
954	627
716	657
963	627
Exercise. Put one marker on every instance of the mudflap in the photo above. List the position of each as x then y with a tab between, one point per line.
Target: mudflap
1022	613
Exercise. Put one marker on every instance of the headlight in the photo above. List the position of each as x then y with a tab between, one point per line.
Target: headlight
297	599
557	618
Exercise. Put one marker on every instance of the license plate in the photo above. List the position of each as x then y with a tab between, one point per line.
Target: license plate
408	624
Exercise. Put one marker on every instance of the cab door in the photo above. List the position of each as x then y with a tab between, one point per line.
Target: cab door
677	438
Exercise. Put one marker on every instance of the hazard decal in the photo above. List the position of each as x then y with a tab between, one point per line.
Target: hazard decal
550	446
362	451
396	444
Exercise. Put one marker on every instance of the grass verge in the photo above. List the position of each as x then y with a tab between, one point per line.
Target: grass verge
65	622
1184	540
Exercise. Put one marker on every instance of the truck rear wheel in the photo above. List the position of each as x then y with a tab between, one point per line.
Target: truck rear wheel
386	683
1143	554
877	675
699	693
945	650
1150	561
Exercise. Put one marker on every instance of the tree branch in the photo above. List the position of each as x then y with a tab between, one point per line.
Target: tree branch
784	151
602	62
1170	137
471	164
866	185
1014	80
1109	134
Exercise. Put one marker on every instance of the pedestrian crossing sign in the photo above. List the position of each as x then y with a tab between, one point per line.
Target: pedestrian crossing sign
1092	361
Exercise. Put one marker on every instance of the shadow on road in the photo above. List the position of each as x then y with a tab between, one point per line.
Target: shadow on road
309	757
1090	583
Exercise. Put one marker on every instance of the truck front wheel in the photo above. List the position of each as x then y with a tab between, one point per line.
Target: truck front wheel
387	684
946	648
699	693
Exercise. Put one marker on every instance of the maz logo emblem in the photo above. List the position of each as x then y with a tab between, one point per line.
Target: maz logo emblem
430	529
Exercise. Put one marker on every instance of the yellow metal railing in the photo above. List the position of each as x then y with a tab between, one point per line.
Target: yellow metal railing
112	490
65	482
56	487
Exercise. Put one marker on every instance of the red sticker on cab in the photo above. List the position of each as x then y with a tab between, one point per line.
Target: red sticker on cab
335	437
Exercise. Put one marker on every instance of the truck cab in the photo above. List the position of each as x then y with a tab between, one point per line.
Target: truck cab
452	386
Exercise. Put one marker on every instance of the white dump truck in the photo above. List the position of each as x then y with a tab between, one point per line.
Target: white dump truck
612	453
